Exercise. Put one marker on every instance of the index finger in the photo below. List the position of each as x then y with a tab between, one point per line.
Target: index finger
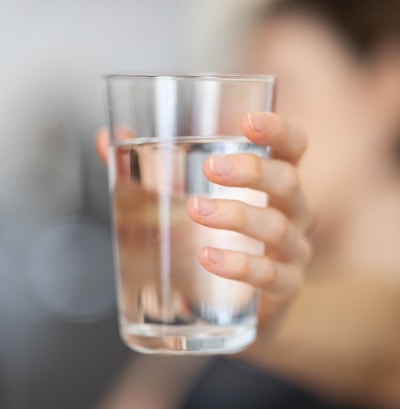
286	141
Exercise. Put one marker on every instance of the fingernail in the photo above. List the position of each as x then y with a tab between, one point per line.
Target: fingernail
213	255
257	121
203	207
220	165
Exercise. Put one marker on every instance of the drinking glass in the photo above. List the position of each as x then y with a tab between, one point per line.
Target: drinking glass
162	129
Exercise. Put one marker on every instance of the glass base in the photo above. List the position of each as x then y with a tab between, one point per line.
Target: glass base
187	340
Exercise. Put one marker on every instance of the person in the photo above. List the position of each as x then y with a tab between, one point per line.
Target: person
331	290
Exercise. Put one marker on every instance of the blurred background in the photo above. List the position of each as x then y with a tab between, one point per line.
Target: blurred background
59	345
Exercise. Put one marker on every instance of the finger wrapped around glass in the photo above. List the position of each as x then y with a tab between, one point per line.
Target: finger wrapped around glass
165	131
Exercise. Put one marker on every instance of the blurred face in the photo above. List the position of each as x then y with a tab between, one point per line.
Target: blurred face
326	91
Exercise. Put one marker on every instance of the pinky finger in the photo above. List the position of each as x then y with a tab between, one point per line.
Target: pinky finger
276	278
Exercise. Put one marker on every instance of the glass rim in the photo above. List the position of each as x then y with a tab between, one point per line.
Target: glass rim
221	77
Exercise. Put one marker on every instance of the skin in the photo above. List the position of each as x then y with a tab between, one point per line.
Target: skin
340	335
282	226
349	108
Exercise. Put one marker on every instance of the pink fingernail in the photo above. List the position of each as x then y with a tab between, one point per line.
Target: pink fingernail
220	165
203	207
213	255
257	121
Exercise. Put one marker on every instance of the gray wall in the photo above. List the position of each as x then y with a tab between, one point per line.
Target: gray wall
59	346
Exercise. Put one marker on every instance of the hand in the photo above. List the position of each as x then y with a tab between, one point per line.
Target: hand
282	226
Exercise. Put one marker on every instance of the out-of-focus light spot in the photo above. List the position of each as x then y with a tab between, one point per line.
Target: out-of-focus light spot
71	270
16	298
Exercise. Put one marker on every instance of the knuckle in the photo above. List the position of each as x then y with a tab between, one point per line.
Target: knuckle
242	267
280	228
281	129
267	273
247	170
239	218
299	142
295	286
254	164
290	182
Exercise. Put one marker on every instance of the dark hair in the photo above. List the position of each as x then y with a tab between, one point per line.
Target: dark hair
363	24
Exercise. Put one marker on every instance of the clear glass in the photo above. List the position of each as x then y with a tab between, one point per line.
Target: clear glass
162	129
